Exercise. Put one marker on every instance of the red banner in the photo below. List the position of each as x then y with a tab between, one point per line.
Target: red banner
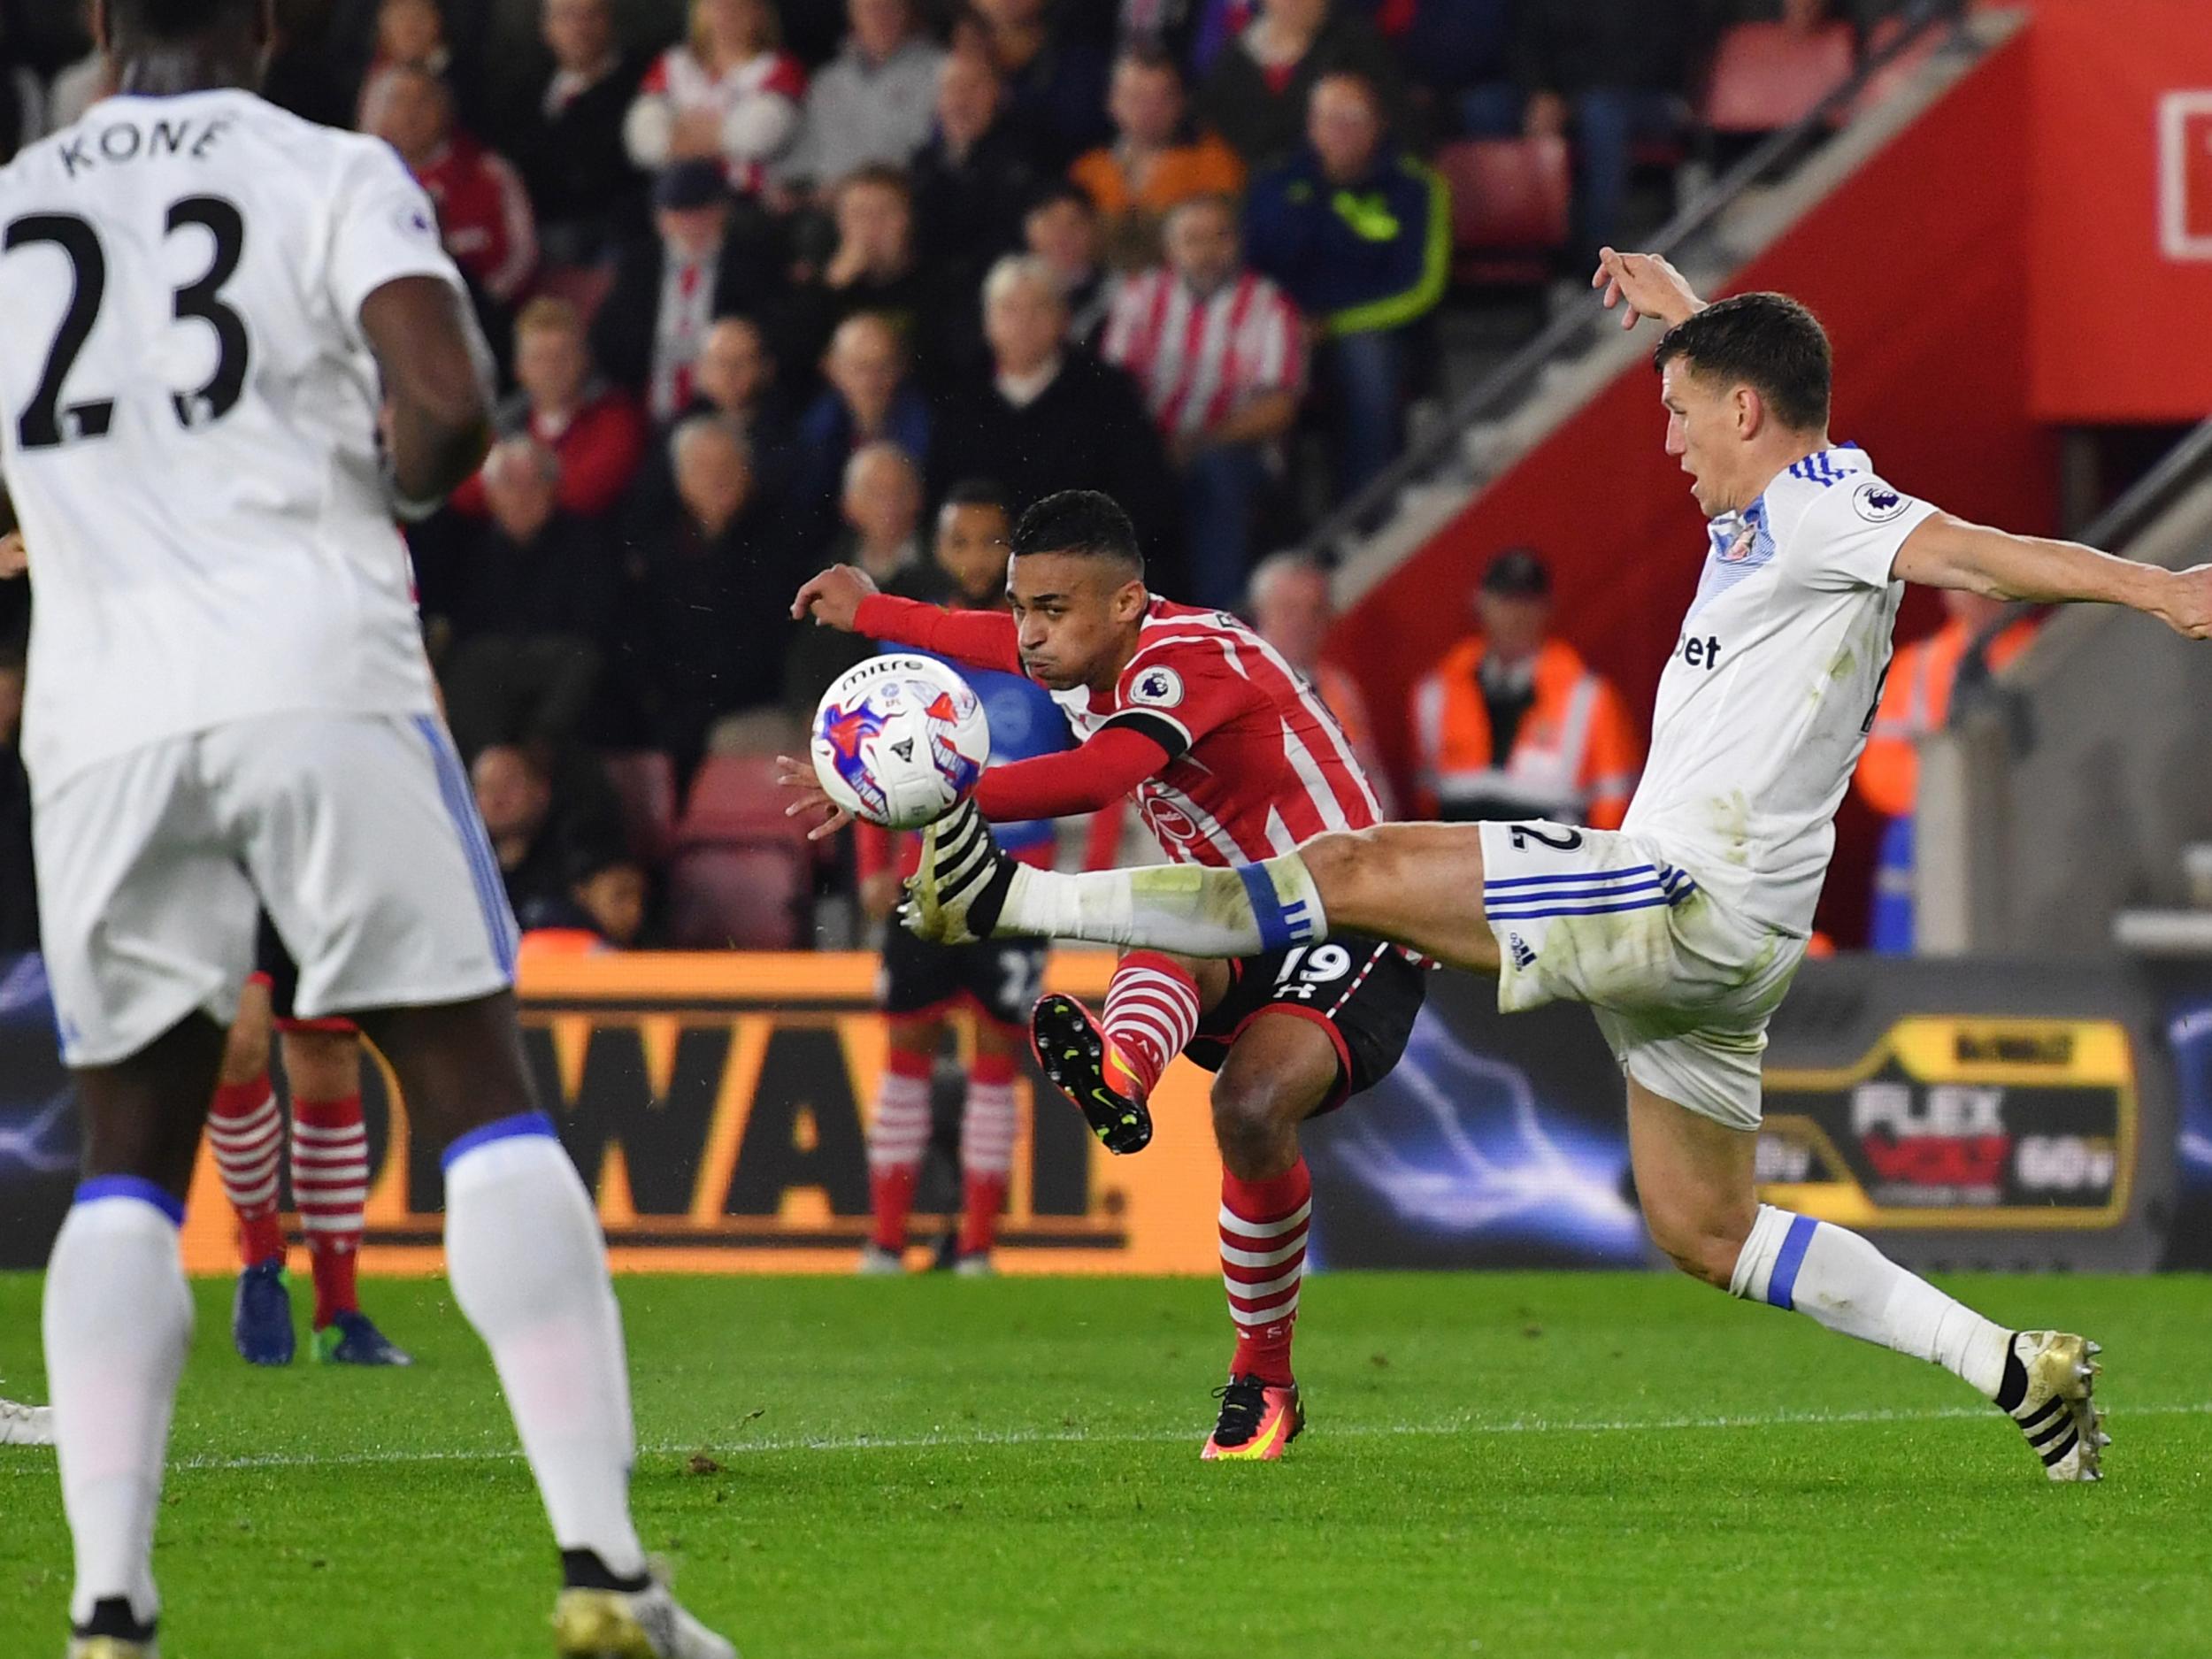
2120	271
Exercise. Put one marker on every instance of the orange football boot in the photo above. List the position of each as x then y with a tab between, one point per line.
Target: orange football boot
1258	1420
1084	1065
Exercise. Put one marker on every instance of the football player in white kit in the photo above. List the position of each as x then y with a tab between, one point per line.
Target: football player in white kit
1683	928
208	304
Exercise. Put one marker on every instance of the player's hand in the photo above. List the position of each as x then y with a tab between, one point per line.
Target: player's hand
15	557
2186	607
832	599
1646	286
798	777
880	893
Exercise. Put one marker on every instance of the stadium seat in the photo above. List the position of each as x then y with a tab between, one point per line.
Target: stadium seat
739	897
644	782
1510	199
1767	76
586	287
734	798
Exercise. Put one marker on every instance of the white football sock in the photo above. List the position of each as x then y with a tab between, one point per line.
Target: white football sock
1839	1279
117	1324
529	1270
1192	908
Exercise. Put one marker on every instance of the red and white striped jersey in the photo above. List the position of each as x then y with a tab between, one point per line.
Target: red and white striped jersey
758	103
1256	763
1200	360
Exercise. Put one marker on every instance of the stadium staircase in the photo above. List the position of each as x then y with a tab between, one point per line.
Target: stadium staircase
1895	206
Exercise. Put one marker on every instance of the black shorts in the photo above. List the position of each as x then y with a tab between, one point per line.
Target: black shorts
1363	994
273	967
999	977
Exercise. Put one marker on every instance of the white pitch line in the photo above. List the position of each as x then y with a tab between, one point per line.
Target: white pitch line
1078	1437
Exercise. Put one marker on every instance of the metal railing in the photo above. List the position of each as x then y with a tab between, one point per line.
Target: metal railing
1373	505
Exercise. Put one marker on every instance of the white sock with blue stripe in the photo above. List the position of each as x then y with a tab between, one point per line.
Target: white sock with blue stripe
1194	909
528	1266
117	1323
1834	1275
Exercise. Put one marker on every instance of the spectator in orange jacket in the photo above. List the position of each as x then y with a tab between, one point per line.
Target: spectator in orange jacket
1511	724
1917	700
1157	160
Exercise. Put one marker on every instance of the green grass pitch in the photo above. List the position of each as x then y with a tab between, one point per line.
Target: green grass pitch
1546	1465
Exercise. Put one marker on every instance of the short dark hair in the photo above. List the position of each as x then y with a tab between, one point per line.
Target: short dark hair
979	492
1085	521
880	175
1767	342
1146	52
1058	190
177	20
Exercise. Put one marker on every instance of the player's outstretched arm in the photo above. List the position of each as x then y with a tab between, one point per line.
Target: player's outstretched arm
1647	285
845	598
1948	552
439	415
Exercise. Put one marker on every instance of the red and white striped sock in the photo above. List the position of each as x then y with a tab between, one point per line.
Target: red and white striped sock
986	1149
247	1134
330	1184
1151	1014
895	1142
1263	1260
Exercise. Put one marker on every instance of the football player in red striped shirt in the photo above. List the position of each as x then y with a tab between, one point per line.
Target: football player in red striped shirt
1231	755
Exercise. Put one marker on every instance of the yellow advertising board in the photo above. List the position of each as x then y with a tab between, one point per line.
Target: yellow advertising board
718	1107
1954	1121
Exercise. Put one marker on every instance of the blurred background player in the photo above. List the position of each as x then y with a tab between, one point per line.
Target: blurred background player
330	1171
923	985
1512	724
1291	608
1228	752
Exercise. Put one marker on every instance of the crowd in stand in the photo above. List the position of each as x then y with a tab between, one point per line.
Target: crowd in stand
769	281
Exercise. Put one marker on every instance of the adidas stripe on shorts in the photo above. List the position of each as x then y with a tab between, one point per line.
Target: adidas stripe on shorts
1682	986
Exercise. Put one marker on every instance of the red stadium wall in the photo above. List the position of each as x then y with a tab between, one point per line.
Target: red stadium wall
2120	269
1914	264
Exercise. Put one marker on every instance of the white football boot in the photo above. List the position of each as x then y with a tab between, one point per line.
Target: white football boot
648	1624
25	1425
878	1263
956	895
2057	1413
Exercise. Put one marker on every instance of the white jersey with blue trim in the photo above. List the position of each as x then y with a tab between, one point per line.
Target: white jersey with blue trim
188	422
1766	701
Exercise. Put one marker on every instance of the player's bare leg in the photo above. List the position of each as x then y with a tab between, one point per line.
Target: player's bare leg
1109	1066
528	1268
330	1175
1279	1073
118	1323
1693	1177
245	1130
898	1135
986	1141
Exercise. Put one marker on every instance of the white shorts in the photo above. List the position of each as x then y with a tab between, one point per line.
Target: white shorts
359	834
1682	984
